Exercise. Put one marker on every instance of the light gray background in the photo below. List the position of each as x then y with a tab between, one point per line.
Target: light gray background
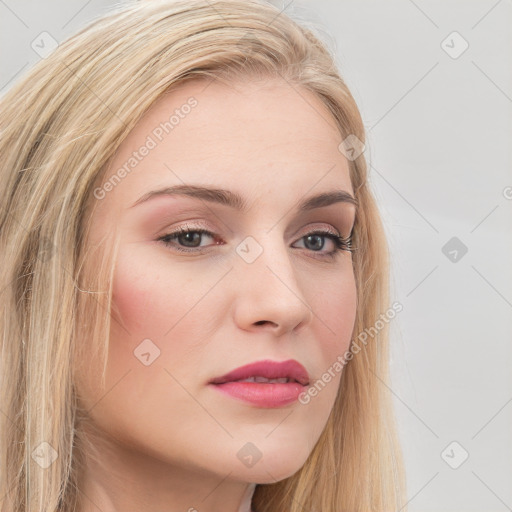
439	145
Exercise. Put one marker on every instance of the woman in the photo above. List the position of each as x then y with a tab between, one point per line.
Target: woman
190	245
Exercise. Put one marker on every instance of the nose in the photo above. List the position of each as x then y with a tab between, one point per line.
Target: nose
269	294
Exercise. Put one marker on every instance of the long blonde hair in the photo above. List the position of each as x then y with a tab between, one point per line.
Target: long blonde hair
60	128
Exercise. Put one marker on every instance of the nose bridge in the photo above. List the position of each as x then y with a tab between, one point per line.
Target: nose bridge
267	257
267	285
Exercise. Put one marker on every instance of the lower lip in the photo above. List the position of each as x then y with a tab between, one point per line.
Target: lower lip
263	394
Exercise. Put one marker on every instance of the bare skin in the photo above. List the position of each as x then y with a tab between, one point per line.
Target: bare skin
164	439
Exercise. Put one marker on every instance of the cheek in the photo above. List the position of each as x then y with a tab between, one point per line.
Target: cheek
335	308
334	304
160	301
142	302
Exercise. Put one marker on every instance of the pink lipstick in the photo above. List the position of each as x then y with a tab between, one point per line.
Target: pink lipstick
266	383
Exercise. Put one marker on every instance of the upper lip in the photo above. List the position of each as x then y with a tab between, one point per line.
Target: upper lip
268	369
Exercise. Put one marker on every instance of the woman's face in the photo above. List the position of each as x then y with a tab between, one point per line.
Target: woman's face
254	288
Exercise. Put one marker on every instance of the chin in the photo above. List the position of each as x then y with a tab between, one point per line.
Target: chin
270	474
276	466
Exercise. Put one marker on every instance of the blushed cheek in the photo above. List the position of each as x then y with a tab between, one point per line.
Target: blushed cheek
146	299
134	321
134	294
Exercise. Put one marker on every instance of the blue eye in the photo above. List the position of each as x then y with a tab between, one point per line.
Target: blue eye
341	244
191	238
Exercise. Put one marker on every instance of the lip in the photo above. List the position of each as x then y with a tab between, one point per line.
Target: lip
269	369
261	394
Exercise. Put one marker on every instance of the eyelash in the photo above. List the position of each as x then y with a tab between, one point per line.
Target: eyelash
342	244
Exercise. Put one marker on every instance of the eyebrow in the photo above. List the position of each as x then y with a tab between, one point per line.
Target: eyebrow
236	201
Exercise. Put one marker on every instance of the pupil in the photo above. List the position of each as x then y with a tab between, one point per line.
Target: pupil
188	236
318	239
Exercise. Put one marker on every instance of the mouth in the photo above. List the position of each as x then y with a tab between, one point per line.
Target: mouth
265	384
264	380
270	372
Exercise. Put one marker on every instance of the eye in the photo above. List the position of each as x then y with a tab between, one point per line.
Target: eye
190	239
314	240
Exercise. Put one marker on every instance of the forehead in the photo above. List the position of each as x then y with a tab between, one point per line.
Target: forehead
256	137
